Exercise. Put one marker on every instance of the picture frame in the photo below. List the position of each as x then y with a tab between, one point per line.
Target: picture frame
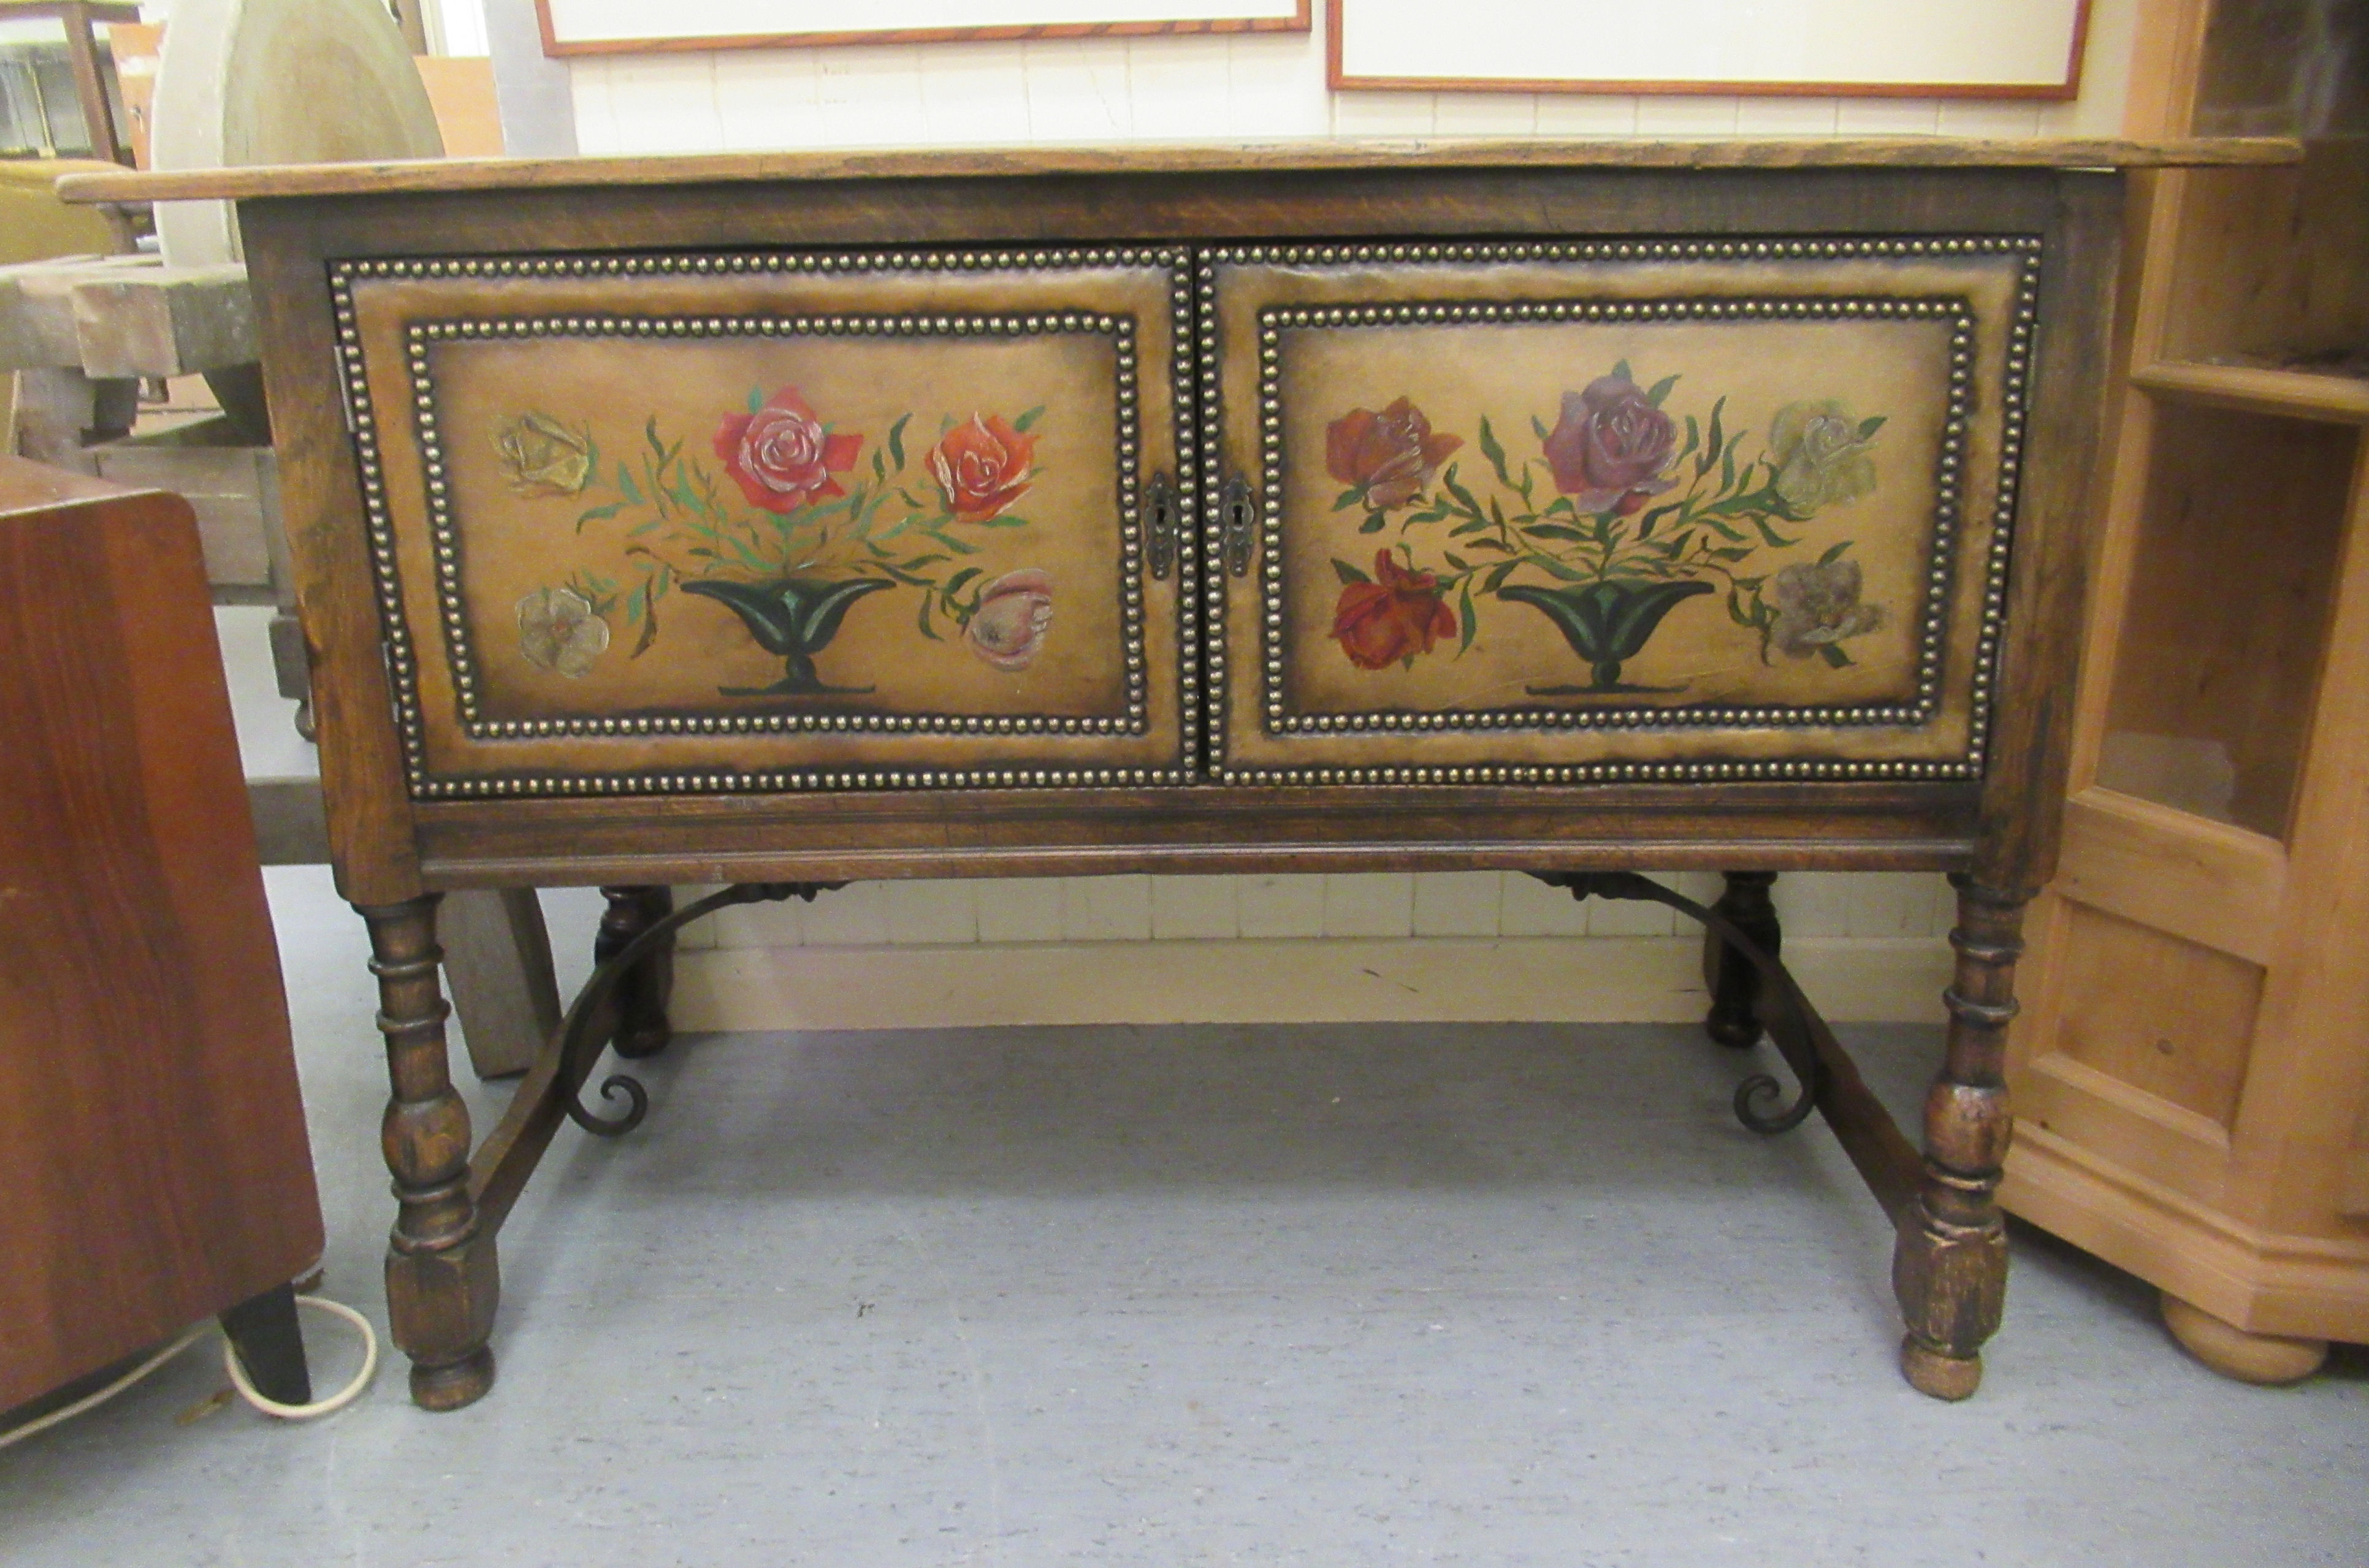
1962	49
622	27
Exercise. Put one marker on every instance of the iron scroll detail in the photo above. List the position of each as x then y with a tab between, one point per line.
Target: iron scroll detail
575	1031
1801	1036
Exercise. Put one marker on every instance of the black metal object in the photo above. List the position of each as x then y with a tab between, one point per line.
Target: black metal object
1831	1085
1733	983
262	1330
576	1060
1162	534
1798	1044
1238	516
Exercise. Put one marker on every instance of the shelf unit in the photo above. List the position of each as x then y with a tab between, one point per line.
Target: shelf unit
2192	1074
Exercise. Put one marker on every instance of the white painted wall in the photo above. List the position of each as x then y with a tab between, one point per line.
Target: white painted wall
1150	949
1209	87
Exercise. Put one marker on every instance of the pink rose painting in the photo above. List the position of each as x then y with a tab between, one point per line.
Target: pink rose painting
1015	613
781	454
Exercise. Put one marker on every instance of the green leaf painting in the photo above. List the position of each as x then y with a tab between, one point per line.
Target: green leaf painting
1649	503
793	525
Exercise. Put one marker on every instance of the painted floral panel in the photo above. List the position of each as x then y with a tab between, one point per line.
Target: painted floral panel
750	525
1485	515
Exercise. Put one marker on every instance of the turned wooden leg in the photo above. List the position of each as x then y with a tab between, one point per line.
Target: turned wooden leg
262	1330
643	992
1949	1269
442	1284
1734	1017
2234	1352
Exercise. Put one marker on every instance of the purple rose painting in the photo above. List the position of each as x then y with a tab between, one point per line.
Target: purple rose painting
1629	513
1609	449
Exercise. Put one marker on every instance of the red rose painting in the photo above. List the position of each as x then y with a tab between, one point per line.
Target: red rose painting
1395	617
781	455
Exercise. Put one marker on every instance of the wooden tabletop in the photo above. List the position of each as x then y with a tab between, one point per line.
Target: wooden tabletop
499	174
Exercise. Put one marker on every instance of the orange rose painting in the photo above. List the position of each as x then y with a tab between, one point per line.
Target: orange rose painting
982	467
1386	458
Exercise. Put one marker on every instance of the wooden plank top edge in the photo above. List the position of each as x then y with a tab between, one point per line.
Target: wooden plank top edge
523	174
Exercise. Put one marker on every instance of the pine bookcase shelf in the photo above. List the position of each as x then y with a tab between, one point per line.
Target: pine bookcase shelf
2301	395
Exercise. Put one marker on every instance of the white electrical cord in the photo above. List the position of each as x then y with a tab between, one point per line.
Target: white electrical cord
338	1401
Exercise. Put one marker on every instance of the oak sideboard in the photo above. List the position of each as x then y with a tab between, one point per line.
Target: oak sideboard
1580	508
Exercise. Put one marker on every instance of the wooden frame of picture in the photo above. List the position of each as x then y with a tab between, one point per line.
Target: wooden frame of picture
2072	30
932	23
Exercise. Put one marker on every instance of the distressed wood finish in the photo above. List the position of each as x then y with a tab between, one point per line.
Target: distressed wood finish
652	817
1453	153
1950	1271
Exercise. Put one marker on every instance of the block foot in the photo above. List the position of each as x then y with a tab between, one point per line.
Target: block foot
1929	1371
451	1387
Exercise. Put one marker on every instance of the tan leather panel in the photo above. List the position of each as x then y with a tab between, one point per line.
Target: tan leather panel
877	516
1572	576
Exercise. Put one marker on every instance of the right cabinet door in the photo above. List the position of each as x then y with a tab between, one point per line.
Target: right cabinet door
1578	512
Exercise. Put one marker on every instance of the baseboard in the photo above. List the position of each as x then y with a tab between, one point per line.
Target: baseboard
1309	980
2260	1281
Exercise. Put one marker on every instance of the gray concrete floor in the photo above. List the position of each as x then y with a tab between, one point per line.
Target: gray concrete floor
1283	1296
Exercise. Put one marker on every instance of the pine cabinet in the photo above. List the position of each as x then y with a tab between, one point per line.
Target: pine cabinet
2192	1076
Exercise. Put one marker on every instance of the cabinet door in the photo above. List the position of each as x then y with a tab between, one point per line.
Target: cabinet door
775	520
1567	512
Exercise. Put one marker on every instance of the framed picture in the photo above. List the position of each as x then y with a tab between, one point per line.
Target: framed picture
1992	49
633	26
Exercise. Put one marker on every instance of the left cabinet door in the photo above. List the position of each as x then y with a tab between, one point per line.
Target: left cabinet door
776	521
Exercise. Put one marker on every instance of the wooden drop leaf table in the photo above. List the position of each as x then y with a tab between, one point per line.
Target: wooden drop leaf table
1577	509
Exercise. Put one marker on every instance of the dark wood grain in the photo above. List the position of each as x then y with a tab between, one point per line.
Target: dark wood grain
1949	1267
2032	724
442	1280
152	1140
1734	1017
321	509
1826	151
